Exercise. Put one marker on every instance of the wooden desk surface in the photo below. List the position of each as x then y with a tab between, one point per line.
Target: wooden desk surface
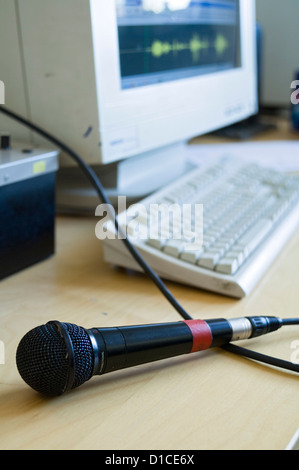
208	400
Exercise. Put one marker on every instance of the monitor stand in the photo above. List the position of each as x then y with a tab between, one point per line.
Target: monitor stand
135	178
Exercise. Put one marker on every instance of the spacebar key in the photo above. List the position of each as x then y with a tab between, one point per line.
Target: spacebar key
253	237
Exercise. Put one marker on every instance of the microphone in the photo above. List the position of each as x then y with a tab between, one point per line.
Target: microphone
57	357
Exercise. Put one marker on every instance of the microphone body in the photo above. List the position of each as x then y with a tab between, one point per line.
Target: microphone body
122	347
57	357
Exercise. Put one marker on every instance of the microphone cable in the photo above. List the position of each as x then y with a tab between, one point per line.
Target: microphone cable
96	183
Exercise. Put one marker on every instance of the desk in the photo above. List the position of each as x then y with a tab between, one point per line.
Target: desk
208	400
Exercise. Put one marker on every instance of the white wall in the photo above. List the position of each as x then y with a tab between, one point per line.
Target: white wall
279	21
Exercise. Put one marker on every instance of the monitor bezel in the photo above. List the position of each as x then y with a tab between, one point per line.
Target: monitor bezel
138	120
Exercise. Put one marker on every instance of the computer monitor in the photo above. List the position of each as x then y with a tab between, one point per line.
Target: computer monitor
127	83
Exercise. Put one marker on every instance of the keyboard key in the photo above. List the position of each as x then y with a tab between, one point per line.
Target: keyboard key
208	260
191	256
174	247
239	255
158	243
227	266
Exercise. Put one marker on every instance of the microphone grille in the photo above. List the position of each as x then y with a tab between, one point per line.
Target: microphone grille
43	358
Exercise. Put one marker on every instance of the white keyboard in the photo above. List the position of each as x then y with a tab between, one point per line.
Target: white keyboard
236	218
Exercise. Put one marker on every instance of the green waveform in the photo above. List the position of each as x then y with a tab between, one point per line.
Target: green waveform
195	46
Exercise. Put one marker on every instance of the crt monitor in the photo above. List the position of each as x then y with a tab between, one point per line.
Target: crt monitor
127	83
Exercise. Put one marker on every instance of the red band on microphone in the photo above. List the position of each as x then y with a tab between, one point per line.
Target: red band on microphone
202	335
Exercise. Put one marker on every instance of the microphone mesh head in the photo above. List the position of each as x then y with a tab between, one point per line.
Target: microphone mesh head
43	358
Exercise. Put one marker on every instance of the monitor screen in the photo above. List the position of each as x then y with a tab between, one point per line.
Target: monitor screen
165	40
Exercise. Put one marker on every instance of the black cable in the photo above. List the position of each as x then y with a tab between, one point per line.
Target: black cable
147	269
256	356
290	321
104	198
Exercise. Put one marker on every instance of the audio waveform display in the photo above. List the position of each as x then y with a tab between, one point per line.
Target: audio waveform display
165	48
195	46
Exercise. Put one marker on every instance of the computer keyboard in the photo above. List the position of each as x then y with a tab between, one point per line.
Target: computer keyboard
217	228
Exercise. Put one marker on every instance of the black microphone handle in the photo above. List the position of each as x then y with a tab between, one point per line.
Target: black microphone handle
121	347
128	346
